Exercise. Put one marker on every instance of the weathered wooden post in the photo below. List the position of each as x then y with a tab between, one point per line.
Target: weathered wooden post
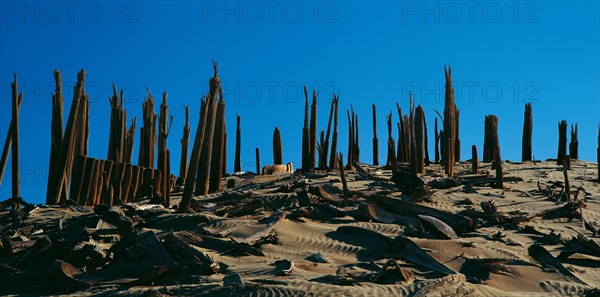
305	135
598	154
202	180
116	137
419	140
62	171
456	136
574	144
449	124
188	191
403	142
147	133
15	165
490	139
340	159
216	163
562	142
356	146
350	139
375	140
437	142
567	163
388	162
325	145
313	131
474	160
498	162
129	141
237	163
277	147
333	158
527	133
56	134
185	143
257	161
425	142
8	143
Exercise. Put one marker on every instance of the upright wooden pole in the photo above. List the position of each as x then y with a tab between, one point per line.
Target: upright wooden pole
562	142
313	131
333	157
402	141
202	181
305	135
356	146
574	144
350	139
598	154
474	160
323	162
425	142
56	134
257	151
216	163
498	162
62	172
188	191
237	163
490	139
375	140
16	177
129	141
527	133
419	140
388	162
343	177
277	147
437	142
449	124
456	135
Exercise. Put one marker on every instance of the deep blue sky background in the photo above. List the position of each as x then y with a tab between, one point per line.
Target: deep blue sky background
503	54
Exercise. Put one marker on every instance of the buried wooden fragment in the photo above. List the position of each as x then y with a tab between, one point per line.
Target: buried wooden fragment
187	255
460	224
343	177
411	252
581	245
270	222
437	227
218	244
152	245
548	261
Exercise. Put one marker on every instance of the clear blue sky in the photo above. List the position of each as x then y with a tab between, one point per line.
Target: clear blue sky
503	54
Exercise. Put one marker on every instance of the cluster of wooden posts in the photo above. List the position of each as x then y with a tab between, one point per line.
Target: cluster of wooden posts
73	175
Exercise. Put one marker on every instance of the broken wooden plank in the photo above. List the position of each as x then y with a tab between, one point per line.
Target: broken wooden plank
548	261
152	245
411	252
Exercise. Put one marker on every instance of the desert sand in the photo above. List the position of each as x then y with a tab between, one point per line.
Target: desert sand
292	234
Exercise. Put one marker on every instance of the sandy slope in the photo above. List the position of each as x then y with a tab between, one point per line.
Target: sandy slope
297	239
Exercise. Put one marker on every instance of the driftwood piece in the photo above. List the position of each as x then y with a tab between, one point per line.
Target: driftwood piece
581	245
411	252
218	244
548	261
459	223
437	227
152	245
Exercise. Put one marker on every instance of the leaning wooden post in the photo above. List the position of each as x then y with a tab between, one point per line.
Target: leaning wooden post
313	131
449	124
66	149
216	163
343	177
567	163
188	191
277	147
334	137
527	133
16	177
325	145
474	160
56	134
375	140
237	163
498	162
185	143
567	187
574	144
8	144
419	141
562	142
129	141
257	161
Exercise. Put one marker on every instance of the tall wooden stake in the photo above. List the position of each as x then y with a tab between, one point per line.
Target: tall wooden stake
16	177
562	142
62	173
333	158
474	160
8	143
574	144
419	140
375	140
277	147
305	135
490	138
237	163
498	162
313	131
449	142
527	133
216	164
437	142
343	177
257	161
